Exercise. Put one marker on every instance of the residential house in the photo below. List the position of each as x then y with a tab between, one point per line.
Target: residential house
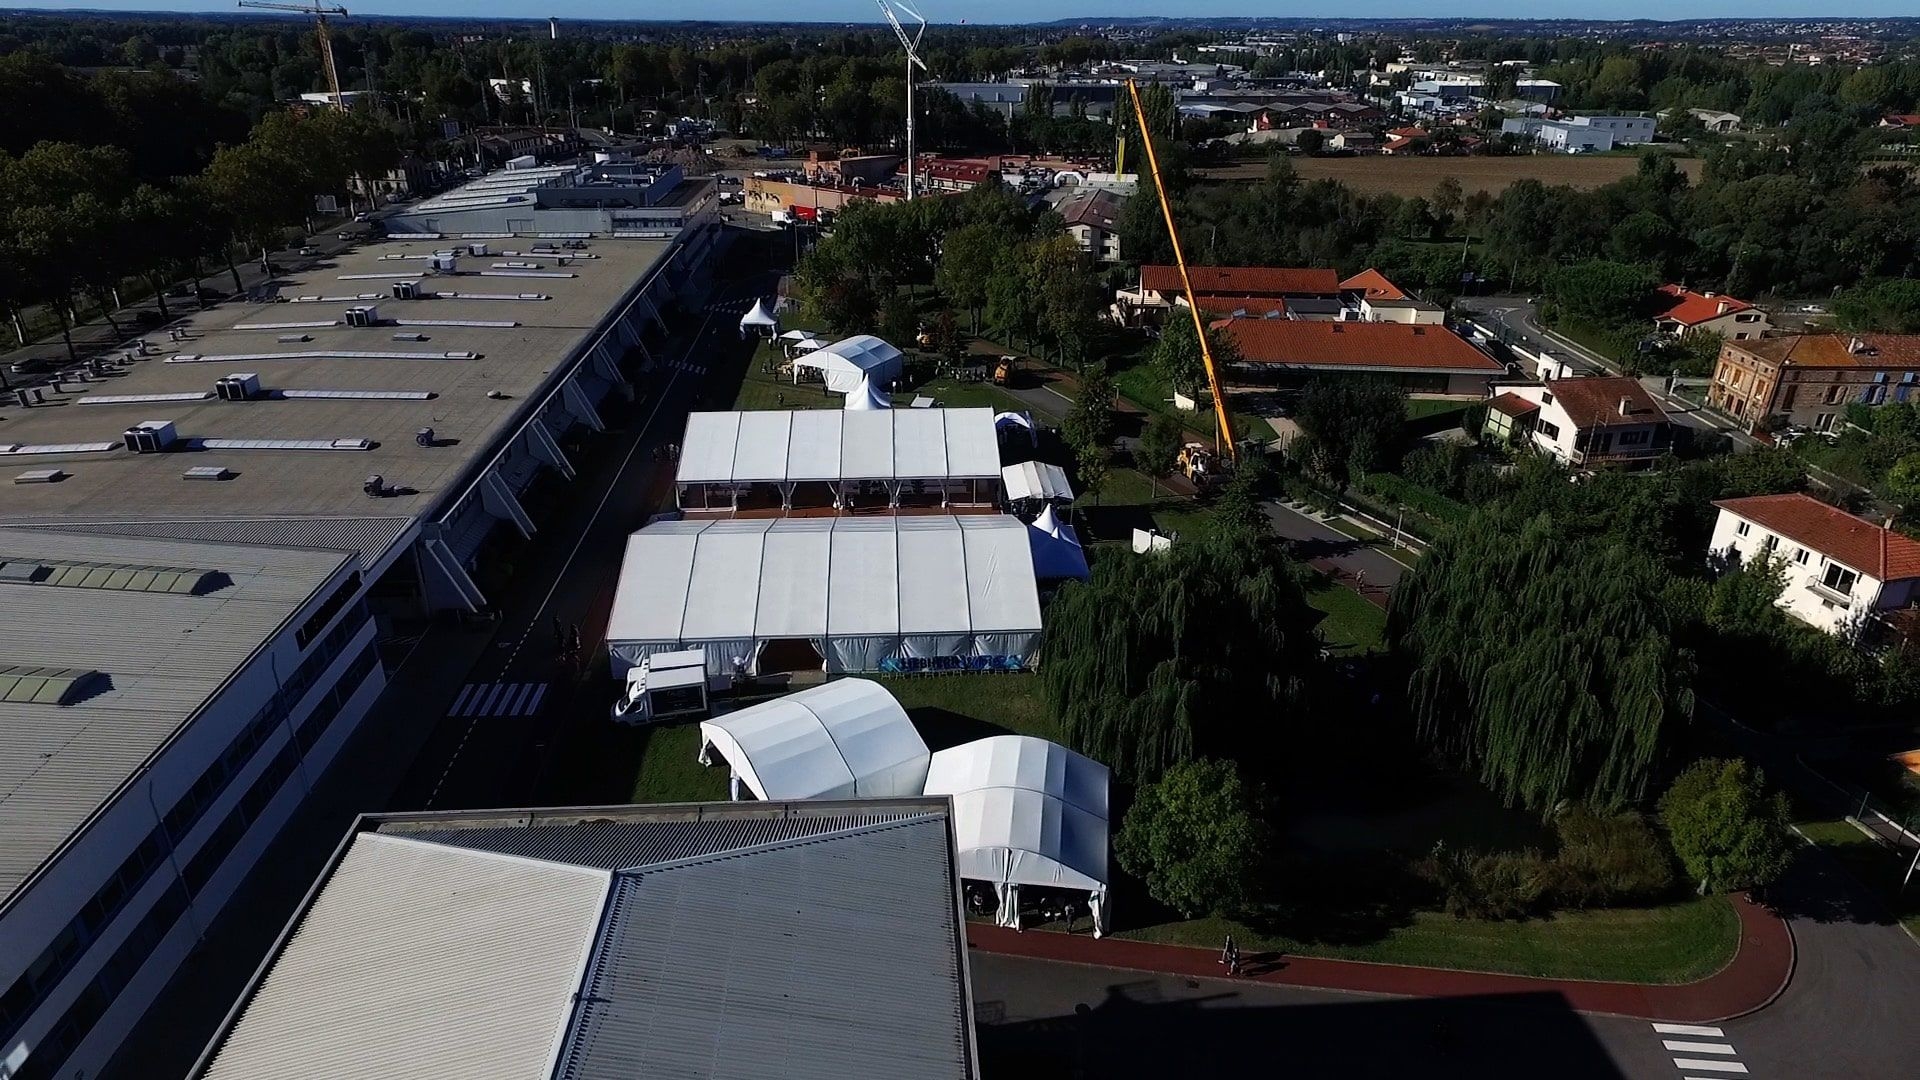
940	174
1421	359
1716	121
1808	380
1561	135
1354	140
1093	220
1840	570
1684	310
1908	121
1583	422
1305	291
1370	297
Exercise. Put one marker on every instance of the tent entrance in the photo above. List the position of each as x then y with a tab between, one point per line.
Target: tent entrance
789	654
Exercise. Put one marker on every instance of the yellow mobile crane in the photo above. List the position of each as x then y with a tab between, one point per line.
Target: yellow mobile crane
319	13
1223	427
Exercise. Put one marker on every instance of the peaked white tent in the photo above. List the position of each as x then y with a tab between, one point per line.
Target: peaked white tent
1035	480
839	740
1056	549
867	396
758	318
1027	812
845	362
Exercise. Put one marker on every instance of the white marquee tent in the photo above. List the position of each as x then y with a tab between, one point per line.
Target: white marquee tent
1027	812
1035	480
759	318
845	362
846	739
928	456
883	593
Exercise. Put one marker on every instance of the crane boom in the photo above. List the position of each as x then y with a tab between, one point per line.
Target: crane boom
1223	426
319	12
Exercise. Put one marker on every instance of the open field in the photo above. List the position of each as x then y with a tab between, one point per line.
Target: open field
1417	175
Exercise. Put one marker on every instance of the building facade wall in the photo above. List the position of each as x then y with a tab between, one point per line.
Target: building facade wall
1764	394
1809	576
86	945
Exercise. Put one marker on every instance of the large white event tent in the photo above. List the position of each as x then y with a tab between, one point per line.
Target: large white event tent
823	457
1027	812
847	594
846	739
845	362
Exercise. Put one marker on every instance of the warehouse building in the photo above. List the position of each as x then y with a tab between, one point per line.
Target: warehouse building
164	707
805	939
606	198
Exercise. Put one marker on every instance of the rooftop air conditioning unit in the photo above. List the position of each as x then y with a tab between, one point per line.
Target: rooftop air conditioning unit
478	248
240	386
442	262
150	436
366	315
406	290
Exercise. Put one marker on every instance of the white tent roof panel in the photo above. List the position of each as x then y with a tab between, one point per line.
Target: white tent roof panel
651	600
813	447
867	444
920	443
723	592
760	454
972	447
931	592
863	582
793	601
1035	480
999	576
707	450
844	362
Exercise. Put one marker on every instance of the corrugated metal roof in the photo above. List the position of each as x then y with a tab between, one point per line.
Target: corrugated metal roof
161	656
619	845
829	957
421	960
369	538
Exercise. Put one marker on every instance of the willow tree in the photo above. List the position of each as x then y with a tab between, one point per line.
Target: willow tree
1204	650
1546	664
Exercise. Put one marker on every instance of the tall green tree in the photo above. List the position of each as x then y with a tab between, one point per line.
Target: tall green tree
1546	664
1354	425
1195	838
1204	650
1729	830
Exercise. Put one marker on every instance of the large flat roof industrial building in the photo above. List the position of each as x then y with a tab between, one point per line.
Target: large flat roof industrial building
803	939
195	563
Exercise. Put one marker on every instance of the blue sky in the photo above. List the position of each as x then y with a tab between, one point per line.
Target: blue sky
1025	10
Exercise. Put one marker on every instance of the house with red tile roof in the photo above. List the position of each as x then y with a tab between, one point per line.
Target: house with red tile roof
1808	380
1840	570
1910	121
1682	310
1307	292
1583	422
1421	359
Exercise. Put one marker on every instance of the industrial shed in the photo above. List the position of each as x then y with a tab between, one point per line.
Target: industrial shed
913	593
841	459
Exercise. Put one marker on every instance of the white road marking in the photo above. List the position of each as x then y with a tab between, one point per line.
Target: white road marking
1689	1029
533	706
1684	1064
484	704
461	701
1697	1047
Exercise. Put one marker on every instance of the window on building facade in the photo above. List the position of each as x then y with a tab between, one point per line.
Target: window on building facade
1839	578
1743	528
1547	428
1800	556
1634	438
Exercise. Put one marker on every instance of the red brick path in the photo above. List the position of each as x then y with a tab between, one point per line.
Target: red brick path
1757	974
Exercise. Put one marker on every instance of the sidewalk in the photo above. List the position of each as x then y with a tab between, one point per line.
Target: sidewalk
1758	973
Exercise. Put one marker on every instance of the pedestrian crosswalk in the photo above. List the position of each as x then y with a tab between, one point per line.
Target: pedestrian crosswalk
1700	1052
487	699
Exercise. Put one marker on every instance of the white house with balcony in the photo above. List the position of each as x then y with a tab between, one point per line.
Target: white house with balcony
1583	422
1840	570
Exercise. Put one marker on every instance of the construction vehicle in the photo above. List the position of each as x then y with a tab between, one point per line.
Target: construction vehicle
1003	371
1198	463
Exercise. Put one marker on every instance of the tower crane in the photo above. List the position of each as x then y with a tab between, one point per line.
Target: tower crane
912	46
319	12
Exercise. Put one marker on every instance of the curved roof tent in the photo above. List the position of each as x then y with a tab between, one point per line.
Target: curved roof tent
845	739
1027	812
867	397
1016	421
1035	480
846	361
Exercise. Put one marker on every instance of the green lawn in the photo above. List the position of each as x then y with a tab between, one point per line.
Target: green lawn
1353	624
1871	863
952	709
1672	943
761	388
670	769
1421	408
